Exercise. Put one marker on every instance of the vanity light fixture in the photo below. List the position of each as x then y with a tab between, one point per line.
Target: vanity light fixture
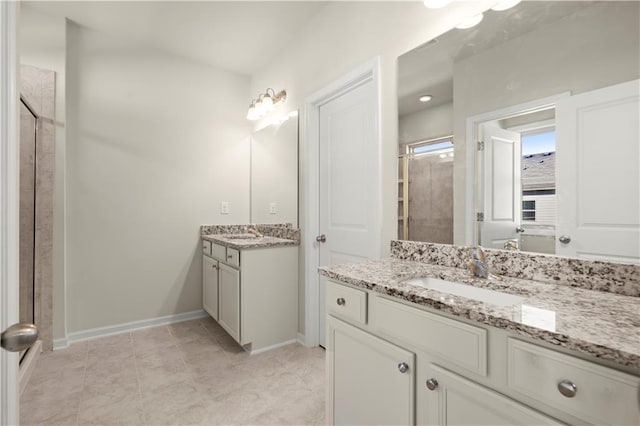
436	4
265	103
470	22
505	4
425	98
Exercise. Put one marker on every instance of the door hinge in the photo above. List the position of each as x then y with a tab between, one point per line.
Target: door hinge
480	217
480	145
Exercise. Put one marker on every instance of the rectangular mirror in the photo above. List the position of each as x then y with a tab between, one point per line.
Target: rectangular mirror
274	172
541	105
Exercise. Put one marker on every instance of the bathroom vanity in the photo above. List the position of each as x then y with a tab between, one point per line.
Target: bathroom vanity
515	351
250	284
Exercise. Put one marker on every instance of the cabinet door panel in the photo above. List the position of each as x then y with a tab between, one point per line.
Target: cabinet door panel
210	286
368	386
229	311
457	401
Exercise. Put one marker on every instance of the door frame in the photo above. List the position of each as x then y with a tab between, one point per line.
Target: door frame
473	181
370	71
9	203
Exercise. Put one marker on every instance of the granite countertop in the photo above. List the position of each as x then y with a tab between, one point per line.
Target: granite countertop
596	323
249	241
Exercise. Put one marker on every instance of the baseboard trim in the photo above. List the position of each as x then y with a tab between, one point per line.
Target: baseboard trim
95	333
302	339
268	348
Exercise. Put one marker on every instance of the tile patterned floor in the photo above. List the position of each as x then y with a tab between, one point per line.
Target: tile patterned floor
190	373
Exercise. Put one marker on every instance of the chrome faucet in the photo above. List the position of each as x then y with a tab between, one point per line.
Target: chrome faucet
511	245
478	265
253	229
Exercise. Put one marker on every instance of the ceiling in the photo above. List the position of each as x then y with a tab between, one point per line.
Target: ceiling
238	36
428	69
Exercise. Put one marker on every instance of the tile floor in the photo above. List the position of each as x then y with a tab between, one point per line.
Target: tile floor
186	373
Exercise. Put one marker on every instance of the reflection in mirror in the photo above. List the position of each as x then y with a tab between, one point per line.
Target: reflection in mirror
274	172
543	103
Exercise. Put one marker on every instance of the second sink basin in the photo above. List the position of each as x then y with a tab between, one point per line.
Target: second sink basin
466	291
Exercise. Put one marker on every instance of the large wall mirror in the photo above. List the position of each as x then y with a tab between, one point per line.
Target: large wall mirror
523	132
274	172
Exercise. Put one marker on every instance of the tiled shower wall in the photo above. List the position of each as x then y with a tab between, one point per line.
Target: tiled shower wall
37	86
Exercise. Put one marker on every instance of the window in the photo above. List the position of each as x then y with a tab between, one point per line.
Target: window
433	146
529	210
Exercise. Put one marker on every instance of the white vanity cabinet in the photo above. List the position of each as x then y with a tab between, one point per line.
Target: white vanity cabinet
360	396
230	301
253	293
457	372
210	286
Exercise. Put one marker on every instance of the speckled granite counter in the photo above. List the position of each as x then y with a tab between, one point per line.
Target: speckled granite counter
239	238
601	324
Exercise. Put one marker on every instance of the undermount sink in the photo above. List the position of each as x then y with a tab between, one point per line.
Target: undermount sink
466	291
240	236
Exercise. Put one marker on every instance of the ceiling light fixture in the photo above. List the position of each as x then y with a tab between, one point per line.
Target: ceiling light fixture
425	98
265	103
505	4
436	4
471	22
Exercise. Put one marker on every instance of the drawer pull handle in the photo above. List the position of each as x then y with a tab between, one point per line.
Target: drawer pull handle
432	384
229	257
341	301
567	388
403	367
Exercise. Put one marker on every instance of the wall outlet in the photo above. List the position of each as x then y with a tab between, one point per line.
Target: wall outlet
224	207
272	208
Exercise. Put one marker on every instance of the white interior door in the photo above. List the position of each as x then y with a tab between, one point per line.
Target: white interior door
349	185
9	221
502	202
597	164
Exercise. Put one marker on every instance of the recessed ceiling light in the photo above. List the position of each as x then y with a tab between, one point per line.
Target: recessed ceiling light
471	22
425	98
505	4
436	4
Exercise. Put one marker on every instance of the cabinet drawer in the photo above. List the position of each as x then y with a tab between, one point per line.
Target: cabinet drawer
206	248
218	251
602	395
457	343
346	302
233	257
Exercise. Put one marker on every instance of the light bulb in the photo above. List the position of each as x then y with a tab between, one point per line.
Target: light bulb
471	22
505	4
251	113
436	4
267	103
425	98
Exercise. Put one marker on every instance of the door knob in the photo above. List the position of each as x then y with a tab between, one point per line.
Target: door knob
564	239
403	367
321	238
519	229
19	337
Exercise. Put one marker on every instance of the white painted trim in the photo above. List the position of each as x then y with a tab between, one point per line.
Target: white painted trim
302	339
28	364
95	333
268	348
362	74
472	181
9	204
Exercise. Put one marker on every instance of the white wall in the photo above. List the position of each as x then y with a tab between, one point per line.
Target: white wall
154	144
428	123
596	48
42	44
341	37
